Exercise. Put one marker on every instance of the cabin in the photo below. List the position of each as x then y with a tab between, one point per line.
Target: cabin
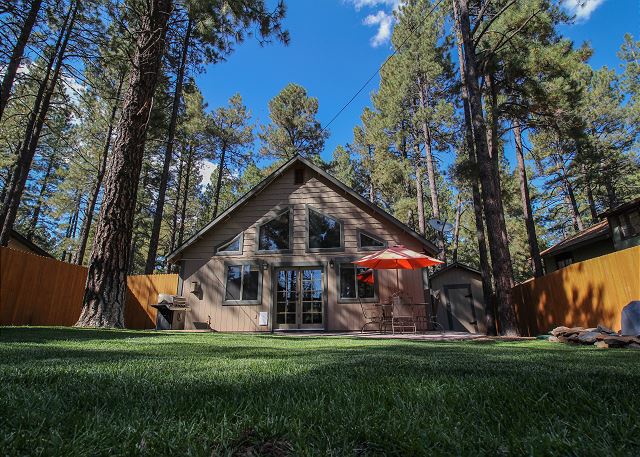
619	229
458	298
280	257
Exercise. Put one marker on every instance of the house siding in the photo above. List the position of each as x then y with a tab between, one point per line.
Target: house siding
201	265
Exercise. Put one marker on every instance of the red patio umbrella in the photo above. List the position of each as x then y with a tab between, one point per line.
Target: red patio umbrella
397	258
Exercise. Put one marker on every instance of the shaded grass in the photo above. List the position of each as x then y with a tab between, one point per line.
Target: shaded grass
88	392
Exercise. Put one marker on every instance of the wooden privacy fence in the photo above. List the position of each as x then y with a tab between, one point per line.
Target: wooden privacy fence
38	290
583	294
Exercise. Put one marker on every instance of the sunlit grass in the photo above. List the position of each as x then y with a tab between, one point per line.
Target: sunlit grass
85	392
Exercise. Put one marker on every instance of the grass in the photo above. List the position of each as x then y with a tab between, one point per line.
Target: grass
87	392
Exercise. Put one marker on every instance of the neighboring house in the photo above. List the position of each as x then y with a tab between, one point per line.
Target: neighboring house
458	296
22	243
620	230
280	257
624	223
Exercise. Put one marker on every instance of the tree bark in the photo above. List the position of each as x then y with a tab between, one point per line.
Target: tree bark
485	266
498	244
17	53
456	229
174	230
106	287
534	249
168	155
185	195
35	217
419	190
570	196
21	168
78	257
590	199
216	195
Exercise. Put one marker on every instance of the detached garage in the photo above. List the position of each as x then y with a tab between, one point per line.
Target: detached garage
458	298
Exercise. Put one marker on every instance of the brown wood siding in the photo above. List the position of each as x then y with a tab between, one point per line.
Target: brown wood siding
202	266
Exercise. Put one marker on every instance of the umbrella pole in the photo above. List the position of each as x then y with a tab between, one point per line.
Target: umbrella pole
397	281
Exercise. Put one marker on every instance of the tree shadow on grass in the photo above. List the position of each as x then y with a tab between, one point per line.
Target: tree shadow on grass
210	394
51	334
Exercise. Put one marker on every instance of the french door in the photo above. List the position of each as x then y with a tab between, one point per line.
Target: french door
299	298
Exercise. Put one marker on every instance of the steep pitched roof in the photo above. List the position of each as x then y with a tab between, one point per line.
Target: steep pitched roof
29	244
430	247
596	232
454	266
621	208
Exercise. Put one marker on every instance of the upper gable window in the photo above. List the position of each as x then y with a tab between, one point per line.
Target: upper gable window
367	242
325	232
298	176
233	246
275	235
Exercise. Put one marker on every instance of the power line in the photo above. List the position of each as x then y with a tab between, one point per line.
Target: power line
375	73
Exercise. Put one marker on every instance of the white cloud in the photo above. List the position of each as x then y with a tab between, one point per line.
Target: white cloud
207	169
359	4
384	21
383	18
582	9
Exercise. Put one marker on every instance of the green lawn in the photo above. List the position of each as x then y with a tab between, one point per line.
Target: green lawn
85	392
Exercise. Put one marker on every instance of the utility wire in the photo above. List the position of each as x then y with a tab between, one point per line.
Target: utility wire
377	72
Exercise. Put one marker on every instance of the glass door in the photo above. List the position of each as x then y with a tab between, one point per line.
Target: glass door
299	298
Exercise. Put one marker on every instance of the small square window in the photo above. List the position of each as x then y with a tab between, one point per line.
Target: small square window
243	284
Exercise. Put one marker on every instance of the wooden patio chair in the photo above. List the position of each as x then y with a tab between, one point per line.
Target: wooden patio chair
398	316
372	315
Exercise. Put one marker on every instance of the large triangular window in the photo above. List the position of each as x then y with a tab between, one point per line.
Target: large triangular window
233	246
324	232
369	242
276	234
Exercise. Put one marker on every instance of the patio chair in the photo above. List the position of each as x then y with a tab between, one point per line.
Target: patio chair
372	315
398	316
433	315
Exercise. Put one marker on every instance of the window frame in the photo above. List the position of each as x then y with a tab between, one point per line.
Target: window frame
274	213
360	231
307	209
338	271
563	257
624	220
241	264
227	243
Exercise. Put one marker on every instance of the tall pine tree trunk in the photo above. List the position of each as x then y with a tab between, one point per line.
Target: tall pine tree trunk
17	53
419	189
106	287
485	266
534	249
570	196
498	244
168	155
185	196
35	217
78	257
431	173
21	168
216	195
456	229
174	228
589	191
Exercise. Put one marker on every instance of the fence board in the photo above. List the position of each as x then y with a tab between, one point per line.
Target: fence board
583	294
37	290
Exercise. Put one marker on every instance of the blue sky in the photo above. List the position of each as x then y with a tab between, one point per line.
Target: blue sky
337	44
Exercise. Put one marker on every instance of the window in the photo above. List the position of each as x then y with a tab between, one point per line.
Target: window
298	176
368	242
324	232
275	235
564	259
243	284
629	224
233	246
351	288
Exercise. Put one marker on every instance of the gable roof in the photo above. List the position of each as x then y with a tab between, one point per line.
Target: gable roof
18	237
596	232
269	179
454	266
621	208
